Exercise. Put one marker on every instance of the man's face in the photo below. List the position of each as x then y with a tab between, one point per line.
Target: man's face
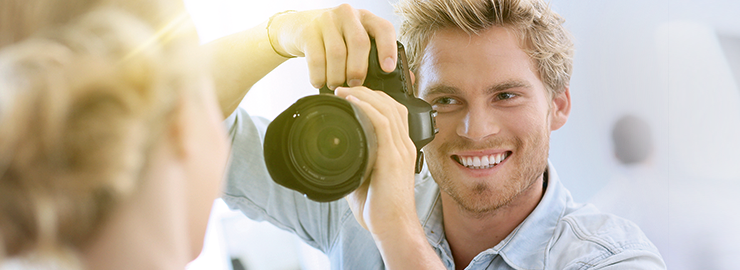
494	120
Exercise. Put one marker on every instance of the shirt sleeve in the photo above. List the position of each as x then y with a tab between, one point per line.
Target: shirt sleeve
250	189
631	259
588	239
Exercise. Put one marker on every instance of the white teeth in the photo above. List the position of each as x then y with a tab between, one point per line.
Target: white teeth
482	162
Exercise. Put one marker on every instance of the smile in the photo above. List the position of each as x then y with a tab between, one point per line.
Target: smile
481	162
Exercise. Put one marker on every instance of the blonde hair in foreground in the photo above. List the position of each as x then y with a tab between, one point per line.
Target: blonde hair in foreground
20	19
540	30
81	106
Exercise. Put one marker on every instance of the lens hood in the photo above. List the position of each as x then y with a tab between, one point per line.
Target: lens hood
322	146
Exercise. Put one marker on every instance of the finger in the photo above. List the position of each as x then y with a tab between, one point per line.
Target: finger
390	108
395	149
396	115
358	43
385	38
335	50
399	111
358	50
316	60
381	123
401	121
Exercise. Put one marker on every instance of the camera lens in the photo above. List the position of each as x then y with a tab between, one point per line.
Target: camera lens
321	146
332	142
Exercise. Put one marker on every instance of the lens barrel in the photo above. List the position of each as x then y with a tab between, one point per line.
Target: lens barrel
322	146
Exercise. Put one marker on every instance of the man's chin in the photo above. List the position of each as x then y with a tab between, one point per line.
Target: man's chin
476	202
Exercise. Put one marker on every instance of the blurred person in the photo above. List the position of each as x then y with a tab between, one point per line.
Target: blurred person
112	145
687	219
22	19
498	74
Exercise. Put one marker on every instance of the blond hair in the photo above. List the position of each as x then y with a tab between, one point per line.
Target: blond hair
20	19
81	107
540	30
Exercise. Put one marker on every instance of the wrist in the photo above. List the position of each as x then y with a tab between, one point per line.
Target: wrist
407	247
273	36
403	224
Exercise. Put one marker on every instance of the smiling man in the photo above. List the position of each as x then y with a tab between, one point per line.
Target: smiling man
495	117
497	72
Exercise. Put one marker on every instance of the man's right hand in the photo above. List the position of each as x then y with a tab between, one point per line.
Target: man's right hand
335	42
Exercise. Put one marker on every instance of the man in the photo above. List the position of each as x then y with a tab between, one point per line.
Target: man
497	72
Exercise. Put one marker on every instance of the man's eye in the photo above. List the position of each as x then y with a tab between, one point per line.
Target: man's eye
505	96
445	101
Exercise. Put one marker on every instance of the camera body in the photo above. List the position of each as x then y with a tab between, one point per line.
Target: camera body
325	147
397	84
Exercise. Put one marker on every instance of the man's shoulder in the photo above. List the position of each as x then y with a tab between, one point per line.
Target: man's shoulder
585	236
587	224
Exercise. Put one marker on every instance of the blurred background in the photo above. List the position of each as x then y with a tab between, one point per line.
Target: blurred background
653	135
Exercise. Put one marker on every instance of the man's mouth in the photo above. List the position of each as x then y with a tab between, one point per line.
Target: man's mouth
481	162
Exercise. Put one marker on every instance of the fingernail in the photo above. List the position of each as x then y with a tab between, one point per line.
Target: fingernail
388	64
355	82
352	98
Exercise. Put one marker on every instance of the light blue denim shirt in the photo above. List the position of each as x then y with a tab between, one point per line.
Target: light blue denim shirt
558	234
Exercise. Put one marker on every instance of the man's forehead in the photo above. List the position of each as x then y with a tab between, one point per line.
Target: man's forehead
452	45
460	38
490	60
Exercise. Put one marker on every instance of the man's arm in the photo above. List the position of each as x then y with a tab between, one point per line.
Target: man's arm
631	259
336	44
238	61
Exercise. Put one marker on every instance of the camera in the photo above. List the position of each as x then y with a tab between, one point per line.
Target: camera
325	147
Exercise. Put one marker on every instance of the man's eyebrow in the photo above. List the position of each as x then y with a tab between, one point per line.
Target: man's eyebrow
507	85
442	89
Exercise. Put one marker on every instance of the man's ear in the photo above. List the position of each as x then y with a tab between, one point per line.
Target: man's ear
560	109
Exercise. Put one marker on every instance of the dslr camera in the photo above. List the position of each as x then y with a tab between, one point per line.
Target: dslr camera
325	147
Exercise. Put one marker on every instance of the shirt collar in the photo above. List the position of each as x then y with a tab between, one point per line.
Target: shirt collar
526	246
429	207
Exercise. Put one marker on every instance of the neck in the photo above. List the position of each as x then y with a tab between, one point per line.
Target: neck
147	231
469	234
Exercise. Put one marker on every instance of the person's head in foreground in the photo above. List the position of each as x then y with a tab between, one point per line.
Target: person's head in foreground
111	145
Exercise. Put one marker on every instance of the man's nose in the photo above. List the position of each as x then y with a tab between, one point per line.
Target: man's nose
478	124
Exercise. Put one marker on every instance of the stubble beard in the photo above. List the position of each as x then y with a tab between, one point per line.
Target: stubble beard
527	164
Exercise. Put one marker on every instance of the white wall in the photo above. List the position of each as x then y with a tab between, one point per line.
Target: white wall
621	65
